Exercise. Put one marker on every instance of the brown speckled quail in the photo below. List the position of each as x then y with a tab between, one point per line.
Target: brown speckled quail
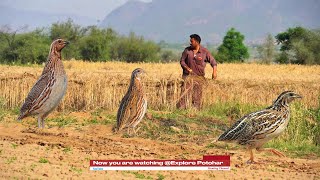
255	129
50	88
133	105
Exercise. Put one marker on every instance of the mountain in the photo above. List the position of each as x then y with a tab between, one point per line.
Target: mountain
34	19
175	20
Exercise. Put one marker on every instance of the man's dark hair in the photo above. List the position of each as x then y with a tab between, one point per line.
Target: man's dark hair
196	37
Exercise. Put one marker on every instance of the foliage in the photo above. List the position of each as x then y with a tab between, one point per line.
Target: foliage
232	49
90	43
299	46
134	49
267	50
168	56
286	38
26	48
43	160
97	44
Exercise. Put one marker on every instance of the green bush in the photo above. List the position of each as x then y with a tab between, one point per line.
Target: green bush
299	46
96	46
134	49
88	43
27	48
232	49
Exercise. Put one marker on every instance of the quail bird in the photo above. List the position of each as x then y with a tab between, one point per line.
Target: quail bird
255	129
50	88
133	106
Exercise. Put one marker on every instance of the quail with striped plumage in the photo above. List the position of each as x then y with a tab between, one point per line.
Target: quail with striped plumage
255	129
50	88
133	106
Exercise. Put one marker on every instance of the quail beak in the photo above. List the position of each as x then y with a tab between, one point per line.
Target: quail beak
66	42
145	73
297	96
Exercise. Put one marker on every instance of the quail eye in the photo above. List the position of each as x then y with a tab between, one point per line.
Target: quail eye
59	41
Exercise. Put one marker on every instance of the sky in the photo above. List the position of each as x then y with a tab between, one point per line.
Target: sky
96	9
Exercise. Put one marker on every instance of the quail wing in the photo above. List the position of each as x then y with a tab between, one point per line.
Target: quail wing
253	126
37	91
126	112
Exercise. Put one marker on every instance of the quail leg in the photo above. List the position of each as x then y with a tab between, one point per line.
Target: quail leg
274	151
42	119
42	123
251	160
135	131
39	122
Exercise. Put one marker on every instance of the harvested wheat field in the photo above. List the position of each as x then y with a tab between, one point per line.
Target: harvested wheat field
101	85
81	128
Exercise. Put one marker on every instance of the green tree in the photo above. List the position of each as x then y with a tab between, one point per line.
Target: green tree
232	49
168	56
32	47
25	48
286	38
267	50
134	49
8	37
97	44
299	46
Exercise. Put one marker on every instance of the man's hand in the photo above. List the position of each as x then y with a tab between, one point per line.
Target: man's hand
190	71
214	76
214	73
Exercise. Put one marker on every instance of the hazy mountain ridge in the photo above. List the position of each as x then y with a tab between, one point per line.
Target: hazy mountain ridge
173	21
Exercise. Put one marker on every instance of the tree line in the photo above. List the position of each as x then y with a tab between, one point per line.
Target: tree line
87	43
298	45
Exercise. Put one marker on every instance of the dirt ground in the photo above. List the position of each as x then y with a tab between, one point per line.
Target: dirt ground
64	153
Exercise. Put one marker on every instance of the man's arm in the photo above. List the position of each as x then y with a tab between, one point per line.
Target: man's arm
214	72
183	61
213	64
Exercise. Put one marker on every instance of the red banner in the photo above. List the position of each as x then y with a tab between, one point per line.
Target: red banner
208	162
